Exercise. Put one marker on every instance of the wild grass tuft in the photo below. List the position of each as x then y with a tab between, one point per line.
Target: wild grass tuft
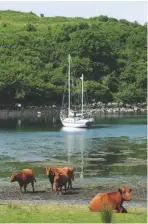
12	205
106	215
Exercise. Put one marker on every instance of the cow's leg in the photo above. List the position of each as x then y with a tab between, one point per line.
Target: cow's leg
25	186
70	184
56	189
51	180
61	190
32	183
20	188
117	209
120	209
123	210
52	186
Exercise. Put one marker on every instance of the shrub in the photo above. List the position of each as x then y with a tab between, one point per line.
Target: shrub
30	28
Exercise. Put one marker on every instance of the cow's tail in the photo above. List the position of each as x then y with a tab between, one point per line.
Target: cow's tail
34	179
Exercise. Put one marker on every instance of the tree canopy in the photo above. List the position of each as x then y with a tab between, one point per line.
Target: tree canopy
111	53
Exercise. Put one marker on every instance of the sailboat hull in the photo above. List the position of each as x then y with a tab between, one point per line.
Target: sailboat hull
74	123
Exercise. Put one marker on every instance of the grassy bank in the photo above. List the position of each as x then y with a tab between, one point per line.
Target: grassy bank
20	213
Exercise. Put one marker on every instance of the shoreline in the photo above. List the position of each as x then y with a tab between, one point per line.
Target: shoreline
81	194
96	108
44	112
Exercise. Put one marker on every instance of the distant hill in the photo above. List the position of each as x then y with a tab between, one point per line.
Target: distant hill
111	53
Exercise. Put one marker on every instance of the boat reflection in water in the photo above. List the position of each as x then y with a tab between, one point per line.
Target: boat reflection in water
71	129
75	143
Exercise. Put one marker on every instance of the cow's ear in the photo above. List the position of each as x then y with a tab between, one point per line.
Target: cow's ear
130	189
120	190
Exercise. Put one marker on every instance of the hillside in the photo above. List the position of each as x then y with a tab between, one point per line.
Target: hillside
111	54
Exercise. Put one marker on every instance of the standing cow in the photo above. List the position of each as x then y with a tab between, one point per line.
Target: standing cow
60	180
70	173
50	172
23	177
111	200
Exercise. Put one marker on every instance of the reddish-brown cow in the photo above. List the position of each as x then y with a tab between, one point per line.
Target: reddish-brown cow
50	172
111	200
70	173
60	180
23	177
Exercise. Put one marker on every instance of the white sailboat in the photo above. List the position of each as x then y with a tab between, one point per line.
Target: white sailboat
75	118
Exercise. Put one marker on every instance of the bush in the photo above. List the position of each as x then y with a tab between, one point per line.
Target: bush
30	28
4	25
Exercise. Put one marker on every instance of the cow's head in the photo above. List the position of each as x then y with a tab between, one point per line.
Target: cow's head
49	171
125	192
14	177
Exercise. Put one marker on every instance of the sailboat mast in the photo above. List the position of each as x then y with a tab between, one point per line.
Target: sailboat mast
68	85
82	93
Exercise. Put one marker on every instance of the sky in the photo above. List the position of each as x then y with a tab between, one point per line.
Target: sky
129	10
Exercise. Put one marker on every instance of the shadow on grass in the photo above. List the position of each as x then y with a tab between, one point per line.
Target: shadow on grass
35	192
77	188
70	193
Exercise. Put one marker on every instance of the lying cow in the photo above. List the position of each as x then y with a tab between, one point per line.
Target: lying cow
50	172
111	200
60	180
23	177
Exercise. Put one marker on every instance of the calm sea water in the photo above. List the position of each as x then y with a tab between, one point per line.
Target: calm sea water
114	147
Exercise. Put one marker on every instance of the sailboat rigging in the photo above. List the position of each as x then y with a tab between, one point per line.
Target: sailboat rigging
77	118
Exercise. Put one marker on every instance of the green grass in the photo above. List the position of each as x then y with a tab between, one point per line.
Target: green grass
51	213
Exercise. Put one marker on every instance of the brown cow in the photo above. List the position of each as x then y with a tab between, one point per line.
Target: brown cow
70	174
23	177
60	180
50	172
111	200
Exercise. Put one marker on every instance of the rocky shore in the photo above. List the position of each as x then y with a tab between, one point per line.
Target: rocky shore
118	107
19	110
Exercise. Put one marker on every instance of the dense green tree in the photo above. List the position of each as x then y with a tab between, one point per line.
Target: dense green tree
34	50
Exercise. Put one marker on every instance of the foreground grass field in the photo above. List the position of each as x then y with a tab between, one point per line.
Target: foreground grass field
20	213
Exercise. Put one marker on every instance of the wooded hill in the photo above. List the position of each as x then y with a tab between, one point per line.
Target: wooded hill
111	53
